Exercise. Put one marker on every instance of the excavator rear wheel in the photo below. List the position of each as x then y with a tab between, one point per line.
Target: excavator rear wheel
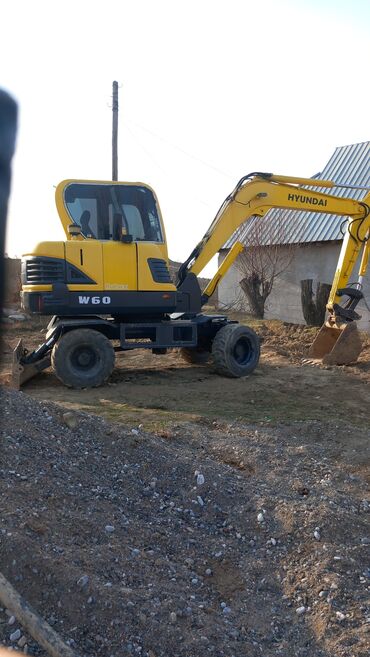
83	358
235	350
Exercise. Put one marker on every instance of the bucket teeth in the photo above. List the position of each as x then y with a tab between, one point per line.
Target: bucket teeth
337	345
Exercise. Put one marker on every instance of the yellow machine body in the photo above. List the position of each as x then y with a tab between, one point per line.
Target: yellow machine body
115	255
110	265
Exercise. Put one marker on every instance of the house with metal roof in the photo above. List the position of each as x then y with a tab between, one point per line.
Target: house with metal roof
317	238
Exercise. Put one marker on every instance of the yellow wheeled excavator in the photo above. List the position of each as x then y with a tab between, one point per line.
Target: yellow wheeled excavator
108	286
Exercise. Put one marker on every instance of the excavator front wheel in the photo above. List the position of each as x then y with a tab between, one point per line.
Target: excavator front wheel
235	350
83	358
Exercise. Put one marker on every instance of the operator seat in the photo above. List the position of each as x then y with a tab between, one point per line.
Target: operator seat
85	224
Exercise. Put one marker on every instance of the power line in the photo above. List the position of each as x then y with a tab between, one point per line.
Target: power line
167	173
181	150
148	153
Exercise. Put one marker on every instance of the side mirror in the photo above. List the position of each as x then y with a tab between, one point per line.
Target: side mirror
126	239
74	230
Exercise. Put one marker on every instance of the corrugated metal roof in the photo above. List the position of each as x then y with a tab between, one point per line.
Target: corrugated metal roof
348	165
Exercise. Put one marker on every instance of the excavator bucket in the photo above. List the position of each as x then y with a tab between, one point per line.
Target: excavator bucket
337	345
22	372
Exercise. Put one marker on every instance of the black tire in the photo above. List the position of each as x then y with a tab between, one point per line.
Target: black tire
83	358
235	350
195	355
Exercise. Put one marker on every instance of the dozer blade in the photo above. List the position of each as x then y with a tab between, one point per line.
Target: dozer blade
337	345
22	372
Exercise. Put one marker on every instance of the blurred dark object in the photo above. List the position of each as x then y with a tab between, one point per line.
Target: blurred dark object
8	131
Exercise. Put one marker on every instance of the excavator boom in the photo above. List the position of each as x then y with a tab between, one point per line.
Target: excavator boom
338	341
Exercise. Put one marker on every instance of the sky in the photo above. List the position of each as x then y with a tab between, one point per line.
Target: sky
209	90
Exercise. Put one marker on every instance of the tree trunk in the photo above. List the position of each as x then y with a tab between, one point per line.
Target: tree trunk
314	309
251	288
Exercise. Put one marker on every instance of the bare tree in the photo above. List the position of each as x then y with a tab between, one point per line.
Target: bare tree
267	256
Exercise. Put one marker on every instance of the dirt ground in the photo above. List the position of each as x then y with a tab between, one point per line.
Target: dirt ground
156	390
174	512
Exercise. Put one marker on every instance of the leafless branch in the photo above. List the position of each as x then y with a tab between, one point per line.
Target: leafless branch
267	256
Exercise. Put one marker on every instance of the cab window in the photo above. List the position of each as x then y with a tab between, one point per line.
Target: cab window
108	212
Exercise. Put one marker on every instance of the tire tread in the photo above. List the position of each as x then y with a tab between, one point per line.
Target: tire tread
59	358
221	344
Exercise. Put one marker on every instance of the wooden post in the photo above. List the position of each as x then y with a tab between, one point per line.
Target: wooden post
32	622
115	132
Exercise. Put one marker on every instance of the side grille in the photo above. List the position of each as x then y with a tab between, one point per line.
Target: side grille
42	271
159	270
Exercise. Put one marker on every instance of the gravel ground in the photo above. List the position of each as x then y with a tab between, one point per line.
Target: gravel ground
211	538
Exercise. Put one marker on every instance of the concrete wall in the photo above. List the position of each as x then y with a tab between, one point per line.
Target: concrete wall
316	261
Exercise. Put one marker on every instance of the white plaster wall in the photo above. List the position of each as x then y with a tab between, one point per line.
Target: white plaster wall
316	261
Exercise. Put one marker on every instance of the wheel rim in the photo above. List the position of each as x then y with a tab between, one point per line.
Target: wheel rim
84	358
242	351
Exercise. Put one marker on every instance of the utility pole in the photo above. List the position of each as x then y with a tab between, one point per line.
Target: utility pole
115	132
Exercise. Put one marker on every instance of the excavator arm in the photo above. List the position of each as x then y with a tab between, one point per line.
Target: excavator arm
257	193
